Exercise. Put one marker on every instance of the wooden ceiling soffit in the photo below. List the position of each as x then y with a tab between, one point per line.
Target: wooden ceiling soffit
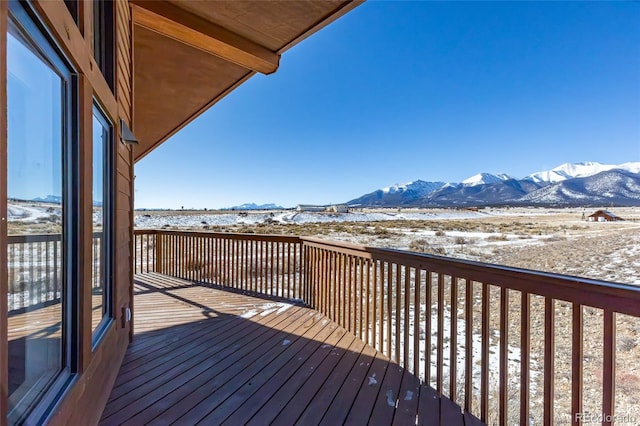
178	24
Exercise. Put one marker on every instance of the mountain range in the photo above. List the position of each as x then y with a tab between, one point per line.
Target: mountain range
254	206
570	184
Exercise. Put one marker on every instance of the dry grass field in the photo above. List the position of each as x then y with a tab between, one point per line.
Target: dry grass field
550	240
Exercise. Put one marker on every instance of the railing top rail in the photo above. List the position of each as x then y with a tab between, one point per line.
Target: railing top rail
221	235
619	297
39	238
33	238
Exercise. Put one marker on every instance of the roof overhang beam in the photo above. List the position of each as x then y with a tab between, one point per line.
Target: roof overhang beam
180	25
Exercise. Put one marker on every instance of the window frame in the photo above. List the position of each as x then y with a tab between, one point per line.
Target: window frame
108	173
25	17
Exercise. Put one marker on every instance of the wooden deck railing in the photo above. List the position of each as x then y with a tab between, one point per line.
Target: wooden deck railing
508	345
35	269
266	264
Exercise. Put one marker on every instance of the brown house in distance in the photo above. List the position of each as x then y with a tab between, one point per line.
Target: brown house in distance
604	216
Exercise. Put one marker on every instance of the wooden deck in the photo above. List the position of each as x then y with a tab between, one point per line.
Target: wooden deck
204	355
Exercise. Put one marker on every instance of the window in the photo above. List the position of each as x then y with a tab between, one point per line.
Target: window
103	38
40	182
101	292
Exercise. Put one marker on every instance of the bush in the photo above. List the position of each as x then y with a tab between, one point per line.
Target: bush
422	246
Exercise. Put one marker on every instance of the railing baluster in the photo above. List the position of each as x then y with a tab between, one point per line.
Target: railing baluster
147	254
484	357
504	341
427	326
576	363
380	321
228	262
367	316
270	249
351	285
360	294
290	292
417	279
525	345
468	339
253	267
47	269
32	294
453	343
327	277
200	258
389	307
439	373
335	287
407	302
41	291
374	303
609	367
549	359
343	288
398	298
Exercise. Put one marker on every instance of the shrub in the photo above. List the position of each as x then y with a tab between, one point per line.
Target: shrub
422	246
440	233
500	237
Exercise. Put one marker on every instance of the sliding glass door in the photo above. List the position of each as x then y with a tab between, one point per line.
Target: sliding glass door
40	225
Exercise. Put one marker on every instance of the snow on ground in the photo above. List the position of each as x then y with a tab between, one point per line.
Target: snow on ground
151	220
29	213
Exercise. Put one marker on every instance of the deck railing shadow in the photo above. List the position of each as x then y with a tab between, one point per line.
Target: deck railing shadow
277	365
507	345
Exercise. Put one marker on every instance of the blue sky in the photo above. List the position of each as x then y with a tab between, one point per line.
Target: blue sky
398	91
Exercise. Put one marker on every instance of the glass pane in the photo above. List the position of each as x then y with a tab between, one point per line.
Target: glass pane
103	39
101	143
35	204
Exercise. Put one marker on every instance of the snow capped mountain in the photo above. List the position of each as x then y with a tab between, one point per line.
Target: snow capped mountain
49	199
398	194
485	178
578	170
612	186
630	167
419	186
254	206
568	184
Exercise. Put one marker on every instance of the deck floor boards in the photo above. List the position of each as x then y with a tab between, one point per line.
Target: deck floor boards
205	355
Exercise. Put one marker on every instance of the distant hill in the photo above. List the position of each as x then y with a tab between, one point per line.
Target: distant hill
588	183
48	199
253	206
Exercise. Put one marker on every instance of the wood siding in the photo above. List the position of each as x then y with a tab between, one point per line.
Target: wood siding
124	162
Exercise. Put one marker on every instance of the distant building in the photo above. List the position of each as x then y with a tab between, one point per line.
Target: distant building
338	208
603	216
311	208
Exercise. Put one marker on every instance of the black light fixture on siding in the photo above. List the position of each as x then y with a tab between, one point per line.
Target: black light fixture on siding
126	134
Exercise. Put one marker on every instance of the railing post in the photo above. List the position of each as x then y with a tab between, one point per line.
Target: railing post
158	261
305	291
